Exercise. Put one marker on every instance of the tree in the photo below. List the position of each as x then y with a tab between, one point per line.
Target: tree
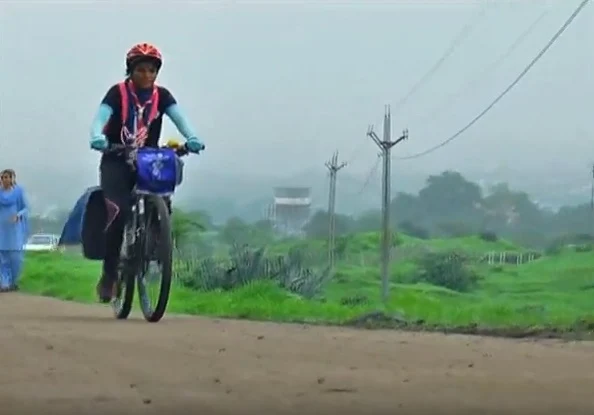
319	224
183	225
265	226
262	232
368	221
205	218
573	219
506	209
412	229
235	231
449	196
407	208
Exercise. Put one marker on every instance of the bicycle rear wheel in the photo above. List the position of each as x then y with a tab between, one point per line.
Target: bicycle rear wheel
156	252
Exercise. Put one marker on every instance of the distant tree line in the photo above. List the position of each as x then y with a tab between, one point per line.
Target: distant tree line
448	205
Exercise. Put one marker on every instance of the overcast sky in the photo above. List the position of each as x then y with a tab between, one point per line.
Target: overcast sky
281	85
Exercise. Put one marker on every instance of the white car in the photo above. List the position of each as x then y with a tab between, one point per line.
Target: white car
42	242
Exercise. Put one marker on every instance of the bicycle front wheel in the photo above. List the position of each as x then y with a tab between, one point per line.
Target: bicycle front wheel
154	279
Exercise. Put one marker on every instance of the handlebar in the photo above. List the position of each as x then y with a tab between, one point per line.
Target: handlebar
122	149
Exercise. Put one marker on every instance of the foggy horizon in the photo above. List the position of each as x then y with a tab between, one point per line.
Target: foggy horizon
274	90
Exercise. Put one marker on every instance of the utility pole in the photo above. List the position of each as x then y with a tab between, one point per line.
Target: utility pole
385	146
333	168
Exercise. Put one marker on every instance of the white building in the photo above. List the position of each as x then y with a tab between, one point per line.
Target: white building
290	209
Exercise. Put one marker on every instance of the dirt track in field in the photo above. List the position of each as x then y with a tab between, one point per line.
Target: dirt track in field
60	357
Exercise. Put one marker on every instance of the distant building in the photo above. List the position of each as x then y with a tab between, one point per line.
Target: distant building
290	209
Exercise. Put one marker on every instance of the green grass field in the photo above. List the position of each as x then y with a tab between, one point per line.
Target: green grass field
552	296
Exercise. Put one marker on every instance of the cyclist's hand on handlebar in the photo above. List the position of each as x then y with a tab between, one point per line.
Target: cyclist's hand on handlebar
194	145
99	143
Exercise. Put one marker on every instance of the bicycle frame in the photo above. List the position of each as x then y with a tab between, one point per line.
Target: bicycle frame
135	226
134	229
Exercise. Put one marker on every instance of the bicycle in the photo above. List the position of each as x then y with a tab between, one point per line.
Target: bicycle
145	239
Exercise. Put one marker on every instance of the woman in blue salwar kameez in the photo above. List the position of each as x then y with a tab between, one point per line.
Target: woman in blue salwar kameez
23	208
13	211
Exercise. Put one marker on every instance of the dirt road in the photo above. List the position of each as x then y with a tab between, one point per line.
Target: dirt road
60	358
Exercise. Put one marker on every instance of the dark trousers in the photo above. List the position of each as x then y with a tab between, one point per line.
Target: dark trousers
117	180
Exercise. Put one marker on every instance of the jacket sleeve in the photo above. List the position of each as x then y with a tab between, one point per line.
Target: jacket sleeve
23	204
100	121
181	122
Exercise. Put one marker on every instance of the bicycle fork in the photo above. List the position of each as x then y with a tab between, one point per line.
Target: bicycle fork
133	229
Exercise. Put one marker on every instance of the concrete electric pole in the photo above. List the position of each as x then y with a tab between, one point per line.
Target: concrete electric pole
385	146
333	168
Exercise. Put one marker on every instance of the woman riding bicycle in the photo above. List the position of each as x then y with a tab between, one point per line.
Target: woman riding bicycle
131	113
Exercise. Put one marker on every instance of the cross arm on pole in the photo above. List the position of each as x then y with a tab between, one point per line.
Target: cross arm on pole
374	137
333	165
403	137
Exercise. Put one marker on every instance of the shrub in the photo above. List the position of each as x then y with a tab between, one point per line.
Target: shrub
583	248
354	301
554	248
446	269
488	236
455	229
411	229
342	244
582	238
557	244
245	265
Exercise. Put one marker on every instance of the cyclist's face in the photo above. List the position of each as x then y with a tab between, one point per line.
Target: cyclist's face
144	74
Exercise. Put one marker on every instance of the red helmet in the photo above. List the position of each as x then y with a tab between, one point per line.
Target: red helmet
144	51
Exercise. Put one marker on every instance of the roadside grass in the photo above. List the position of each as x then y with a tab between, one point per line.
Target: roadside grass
553	296
70	277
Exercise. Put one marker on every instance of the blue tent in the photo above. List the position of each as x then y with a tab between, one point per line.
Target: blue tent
86	224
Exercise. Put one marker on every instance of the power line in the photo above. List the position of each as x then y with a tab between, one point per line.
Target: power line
371	173
494	65
509	88
458	39
356	151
